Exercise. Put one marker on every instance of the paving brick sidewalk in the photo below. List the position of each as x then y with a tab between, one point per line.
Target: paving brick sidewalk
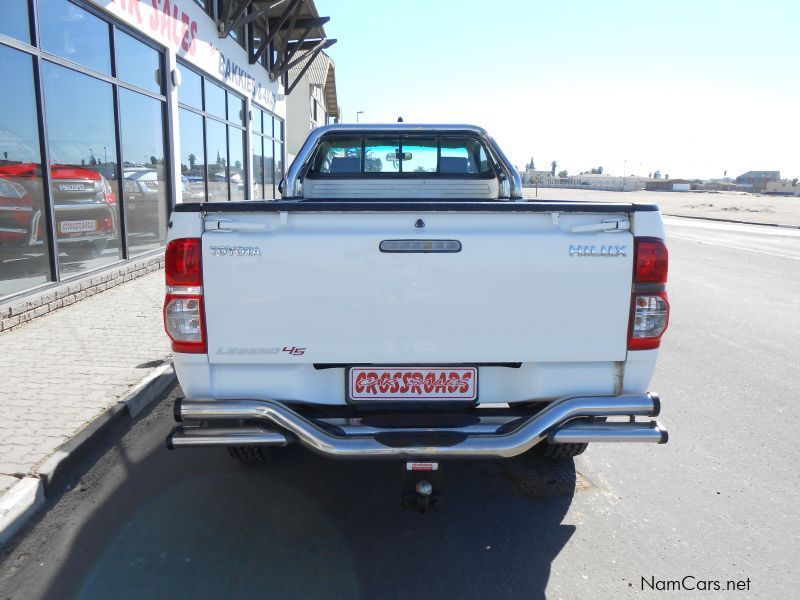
61	371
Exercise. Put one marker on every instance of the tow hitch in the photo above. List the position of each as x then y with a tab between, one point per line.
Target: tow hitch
421	486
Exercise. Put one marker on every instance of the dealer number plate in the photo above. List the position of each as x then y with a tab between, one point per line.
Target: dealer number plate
72	226
413	383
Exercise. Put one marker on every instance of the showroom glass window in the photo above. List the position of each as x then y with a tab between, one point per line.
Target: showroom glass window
14	21
212	140
267	144
24	236
90	182
70	32
81	139
104	118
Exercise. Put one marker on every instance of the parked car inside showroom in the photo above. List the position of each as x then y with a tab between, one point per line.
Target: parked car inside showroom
144	197
84	202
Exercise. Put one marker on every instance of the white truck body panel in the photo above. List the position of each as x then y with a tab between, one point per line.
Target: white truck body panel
513	294
537	297
569	332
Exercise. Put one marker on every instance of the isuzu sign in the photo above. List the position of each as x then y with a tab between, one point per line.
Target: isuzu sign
588	250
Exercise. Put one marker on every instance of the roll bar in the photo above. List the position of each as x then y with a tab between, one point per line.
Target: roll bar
510	181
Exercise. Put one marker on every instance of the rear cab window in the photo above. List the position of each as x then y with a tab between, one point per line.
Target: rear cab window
451	155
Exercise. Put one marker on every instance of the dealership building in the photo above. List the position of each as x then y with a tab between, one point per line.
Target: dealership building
115	110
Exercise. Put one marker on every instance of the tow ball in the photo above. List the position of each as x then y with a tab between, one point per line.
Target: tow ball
421	486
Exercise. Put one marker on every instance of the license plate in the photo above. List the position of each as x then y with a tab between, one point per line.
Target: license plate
73	226
413	383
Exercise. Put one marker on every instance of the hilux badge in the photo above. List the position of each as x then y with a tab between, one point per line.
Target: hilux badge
590	250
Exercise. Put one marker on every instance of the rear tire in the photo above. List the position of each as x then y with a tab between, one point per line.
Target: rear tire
547	450
250	454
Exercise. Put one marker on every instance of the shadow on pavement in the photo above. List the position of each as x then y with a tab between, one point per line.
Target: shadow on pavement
197	524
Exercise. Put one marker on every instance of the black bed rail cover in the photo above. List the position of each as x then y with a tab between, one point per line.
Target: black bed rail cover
384	205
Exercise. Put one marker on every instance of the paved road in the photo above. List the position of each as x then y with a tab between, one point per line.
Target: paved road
781	242
719	502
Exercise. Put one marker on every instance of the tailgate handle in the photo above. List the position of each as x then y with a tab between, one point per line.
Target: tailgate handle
617	225
230	225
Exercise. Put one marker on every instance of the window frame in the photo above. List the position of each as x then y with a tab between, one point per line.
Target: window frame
492	173
227	122
273	137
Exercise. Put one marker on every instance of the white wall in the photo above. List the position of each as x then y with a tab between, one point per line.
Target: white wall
298	115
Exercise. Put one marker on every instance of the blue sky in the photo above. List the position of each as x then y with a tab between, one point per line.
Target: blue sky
691	88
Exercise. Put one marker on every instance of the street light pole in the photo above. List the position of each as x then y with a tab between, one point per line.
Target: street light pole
624	168
358	113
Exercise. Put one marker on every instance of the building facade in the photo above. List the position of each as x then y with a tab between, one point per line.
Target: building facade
630	183
784	187
313	102
670	185
756	181
116	110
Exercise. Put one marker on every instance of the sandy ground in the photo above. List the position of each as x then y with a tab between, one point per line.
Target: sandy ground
749	208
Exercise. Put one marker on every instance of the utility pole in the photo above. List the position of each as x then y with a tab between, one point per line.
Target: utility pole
624	168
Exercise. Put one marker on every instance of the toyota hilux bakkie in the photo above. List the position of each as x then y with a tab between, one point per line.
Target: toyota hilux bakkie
403	301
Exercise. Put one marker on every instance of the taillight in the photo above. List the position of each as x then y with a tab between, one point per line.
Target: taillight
184	312
651	261
183	262
649	304
108	194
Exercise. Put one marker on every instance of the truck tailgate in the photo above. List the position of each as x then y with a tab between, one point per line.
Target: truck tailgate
315	287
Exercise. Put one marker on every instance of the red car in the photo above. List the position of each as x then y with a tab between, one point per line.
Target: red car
85	208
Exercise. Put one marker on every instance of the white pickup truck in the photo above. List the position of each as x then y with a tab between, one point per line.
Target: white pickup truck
403	301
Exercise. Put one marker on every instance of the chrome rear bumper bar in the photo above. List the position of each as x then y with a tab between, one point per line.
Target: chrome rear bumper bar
568	420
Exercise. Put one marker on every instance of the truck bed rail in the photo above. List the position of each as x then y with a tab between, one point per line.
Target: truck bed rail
412	206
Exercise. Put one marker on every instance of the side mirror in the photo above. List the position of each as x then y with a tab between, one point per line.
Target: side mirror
282	186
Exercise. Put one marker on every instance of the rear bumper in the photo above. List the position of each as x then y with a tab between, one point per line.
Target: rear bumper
466	434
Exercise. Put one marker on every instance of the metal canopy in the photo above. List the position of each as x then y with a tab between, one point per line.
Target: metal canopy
290	32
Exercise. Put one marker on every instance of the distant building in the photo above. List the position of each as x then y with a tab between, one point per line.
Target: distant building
756	181
669	185
785	187
534	176
586	181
